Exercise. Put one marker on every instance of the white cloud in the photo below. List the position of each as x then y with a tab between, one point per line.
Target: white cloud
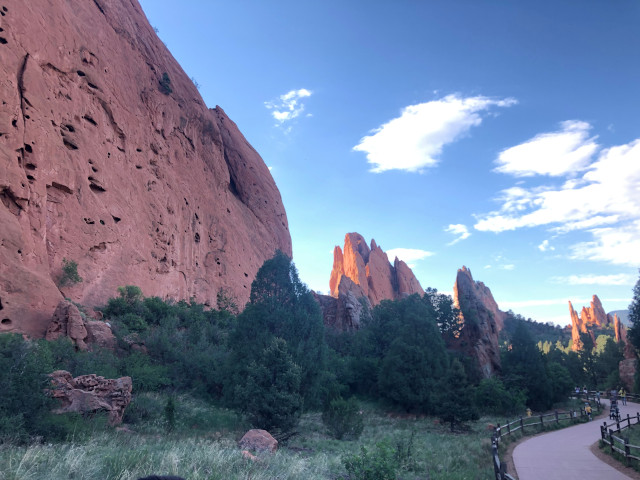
458	229
288	106
605	202
620	246
508	266
558	153
408	255
414	140
544	246
591	279
558	301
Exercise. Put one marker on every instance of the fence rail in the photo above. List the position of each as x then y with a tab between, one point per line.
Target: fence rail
621	444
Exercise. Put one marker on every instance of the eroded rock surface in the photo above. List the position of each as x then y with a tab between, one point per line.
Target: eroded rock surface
67	321
110	158
482	321
371	271
91	393
361	278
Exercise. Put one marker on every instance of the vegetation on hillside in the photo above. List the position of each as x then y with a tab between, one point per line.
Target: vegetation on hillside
275	364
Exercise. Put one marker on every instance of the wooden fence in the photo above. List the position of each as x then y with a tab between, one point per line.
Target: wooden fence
533	423
621	444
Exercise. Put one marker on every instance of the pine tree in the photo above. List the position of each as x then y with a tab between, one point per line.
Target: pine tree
280	306
456	396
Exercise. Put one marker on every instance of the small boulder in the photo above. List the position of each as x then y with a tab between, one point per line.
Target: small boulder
258	441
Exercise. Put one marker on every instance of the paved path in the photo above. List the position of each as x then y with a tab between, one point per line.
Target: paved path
564	454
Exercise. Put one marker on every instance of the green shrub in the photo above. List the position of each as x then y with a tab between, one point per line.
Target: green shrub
379	464
146	376
170	414
343	419
70	274
271	395
165	84
142	408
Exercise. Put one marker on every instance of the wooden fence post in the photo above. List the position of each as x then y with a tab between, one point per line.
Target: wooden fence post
628	421
603	430
541	422
557	420
626	451
611	440
494	451
618	422
509	427
521	424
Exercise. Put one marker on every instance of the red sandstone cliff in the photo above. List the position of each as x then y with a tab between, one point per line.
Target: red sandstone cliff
361	278
482	321
102	165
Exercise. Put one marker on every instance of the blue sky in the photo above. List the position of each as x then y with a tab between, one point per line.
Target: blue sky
504	136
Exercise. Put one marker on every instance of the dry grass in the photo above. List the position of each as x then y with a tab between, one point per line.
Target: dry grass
430	452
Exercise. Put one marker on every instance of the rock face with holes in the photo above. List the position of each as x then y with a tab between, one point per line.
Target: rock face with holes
110	158
482	321
361	278
91	393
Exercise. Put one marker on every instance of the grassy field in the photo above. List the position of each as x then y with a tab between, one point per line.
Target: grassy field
203	446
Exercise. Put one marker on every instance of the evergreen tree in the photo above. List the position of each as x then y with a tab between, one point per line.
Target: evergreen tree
447	315
280	306
634	317
523	368
270	395
588	358
456	396
412	352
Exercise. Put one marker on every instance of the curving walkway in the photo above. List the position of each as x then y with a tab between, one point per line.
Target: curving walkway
565	454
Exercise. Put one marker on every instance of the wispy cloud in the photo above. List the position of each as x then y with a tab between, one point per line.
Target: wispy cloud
557	153
408	255
545	246
552	302
458	229
603	201
288	106
414	140
590	279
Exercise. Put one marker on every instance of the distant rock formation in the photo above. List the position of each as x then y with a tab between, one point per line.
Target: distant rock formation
91	393
595	317
592	316
110	158
361	278
371	271
482	321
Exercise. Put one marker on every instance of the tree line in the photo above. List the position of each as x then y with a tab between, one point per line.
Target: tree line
276	360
